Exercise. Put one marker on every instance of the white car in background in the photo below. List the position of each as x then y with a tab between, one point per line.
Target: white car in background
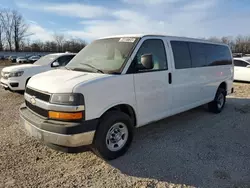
242	69
16	77
22	60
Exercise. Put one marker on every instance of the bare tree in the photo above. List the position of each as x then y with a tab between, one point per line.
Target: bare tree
214	39
1	36
20	29
1	33
59	39
6	19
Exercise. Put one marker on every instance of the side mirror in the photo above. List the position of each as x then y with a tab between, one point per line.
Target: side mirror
248	66
147	61
55	64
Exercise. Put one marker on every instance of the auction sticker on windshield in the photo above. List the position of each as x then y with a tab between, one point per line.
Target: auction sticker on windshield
127	40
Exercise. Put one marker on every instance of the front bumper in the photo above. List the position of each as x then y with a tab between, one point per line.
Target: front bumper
12	84
67	134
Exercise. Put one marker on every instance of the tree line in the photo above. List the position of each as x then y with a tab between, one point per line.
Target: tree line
14	36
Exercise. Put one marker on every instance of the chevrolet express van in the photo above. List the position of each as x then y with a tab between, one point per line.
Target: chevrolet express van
119	83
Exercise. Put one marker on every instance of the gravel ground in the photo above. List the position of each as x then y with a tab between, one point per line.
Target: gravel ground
6	63
192	149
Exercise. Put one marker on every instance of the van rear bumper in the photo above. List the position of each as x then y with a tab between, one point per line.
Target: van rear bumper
75	134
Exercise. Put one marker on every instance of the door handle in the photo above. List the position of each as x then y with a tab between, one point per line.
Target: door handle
170	78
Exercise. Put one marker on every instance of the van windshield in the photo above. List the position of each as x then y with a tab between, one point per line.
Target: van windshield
104	55
46	60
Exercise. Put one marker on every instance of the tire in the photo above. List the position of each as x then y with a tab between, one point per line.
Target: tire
217	105
106	148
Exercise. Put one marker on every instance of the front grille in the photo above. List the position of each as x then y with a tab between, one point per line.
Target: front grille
37	94
36	109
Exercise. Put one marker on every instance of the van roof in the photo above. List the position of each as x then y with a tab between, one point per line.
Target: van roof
159	35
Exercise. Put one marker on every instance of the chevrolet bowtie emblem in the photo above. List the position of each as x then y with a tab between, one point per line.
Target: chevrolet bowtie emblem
33	100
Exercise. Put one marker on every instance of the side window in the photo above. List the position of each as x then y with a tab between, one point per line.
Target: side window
157	49
64	59
218	55
181	55
239	63
198	55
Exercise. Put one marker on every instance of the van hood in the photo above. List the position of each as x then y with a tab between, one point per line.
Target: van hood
61	80
20	67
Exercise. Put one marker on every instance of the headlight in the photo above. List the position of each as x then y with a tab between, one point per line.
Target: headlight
15	74
67	99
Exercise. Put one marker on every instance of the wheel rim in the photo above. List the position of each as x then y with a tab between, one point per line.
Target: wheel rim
220	100
117	136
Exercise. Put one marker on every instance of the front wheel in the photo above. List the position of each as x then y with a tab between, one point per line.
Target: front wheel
217	105
114	135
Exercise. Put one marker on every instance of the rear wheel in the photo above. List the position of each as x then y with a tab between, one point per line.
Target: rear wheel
114	135
217	105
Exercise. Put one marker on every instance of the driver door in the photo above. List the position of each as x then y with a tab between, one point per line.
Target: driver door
152	87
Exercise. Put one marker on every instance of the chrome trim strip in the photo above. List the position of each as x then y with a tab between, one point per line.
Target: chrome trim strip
53	107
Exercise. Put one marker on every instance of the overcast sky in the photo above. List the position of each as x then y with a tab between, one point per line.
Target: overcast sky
91	19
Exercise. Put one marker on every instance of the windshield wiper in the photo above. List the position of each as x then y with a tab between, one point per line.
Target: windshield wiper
91	66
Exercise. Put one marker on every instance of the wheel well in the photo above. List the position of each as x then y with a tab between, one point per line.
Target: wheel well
27	81
223	85
127	109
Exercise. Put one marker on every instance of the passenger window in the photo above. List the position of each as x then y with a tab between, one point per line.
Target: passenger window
181	55
198	54
239	63
157	49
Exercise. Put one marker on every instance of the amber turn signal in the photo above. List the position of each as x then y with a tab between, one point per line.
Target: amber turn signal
65	115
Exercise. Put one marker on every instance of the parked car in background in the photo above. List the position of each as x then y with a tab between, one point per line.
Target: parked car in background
242	69
22	60
104	93
13	59
34	58
16	77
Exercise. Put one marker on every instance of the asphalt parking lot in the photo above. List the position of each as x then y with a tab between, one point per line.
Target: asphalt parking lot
192	149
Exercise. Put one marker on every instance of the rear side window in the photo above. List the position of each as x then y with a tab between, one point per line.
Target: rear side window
195	54
181	54
218	55
239	63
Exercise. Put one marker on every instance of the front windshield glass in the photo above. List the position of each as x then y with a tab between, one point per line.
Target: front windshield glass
46	60
104	55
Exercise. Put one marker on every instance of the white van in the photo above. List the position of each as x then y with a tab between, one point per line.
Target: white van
16	77
119	83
